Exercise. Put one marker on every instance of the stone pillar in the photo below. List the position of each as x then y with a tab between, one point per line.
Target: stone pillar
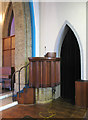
22	39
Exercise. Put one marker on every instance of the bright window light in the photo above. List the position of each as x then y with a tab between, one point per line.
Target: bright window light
0	18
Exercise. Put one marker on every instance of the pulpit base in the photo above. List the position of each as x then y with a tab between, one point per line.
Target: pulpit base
46	95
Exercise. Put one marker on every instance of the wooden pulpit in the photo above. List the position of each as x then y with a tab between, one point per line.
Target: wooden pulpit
44	72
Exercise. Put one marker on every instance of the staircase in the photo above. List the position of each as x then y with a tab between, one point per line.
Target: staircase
26	96
43	72
6	101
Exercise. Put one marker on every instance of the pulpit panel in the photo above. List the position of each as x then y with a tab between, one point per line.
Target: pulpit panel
44	72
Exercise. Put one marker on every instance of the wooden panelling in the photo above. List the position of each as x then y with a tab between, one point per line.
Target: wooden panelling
13	42
30	75
44	72
52	73
13	57
81	93
48	73
7	58
9	51
38	72
57	72
44	75
7	43
27	96
34	74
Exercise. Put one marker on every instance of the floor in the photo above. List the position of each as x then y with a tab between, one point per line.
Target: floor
56	109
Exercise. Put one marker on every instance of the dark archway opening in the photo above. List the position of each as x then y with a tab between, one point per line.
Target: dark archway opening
70	66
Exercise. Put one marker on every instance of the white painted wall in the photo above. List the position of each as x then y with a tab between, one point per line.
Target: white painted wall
36	14
87	40
53	16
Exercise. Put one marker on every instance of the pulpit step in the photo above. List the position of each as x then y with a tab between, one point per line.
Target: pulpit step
26	97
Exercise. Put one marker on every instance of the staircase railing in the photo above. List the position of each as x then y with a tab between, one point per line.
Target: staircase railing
19	72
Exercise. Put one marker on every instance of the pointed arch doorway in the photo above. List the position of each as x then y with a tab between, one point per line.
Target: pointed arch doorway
70	66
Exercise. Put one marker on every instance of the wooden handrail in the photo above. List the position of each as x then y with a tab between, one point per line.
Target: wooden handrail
43	59
19	71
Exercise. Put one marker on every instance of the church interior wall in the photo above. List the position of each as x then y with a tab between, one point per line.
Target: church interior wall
53	16
86	40
37	26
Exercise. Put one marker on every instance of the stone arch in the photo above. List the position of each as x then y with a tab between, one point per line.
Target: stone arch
7	20
59	41
23	45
